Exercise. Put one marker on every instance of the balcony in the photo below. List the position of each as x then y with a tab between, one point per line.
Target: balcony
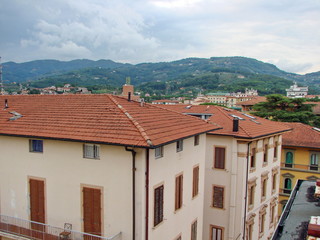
302	167
17	228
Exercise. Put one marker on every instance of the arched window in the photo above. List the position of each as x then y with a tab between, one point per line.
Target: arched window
287	185
289	159
314	161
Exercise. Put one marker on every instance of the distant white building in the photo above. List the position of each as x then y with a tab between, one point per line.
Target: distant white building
297	92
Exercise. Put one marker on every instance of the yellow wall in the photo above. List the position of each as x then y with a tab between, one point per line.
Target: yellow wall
300	170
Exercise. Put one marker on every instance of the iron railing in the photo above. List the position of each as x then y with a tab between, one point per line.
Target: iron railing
313	168
36	230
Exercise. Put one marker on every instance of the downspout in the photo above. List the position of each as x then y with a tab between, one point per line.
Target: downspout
147	194
246	195
133	191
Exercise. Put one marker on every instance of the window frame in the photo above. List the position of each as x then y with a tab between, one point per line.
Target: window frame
265	154
158	154
158	204
33	145
179	146
195	181
286	181
217	228
216	198
287	163
253	158
219	163
314	161
95	151
178	199
196	140
194	230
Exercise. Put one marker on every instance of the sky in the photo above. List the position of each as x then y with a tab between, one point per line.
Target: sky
285	33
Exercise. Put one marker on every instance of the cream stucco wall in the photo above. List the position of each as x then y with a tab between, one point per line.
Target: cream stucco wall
65	171
233	179
163	171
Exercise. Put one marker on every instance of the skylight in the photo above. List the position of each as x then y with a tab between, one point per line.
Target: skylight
235	116
249	116
255	121
317	129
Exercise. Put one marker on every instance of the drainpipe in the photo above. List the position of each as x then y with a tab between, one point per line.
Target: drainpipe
133	191
246	195
147	194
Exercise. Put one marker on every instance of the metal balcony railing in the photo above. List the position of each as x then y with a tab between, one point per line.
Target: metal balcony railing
314	168
36	230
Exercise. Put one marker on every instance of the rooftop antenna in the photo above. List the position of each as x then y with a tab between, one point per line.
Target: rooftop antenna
1	82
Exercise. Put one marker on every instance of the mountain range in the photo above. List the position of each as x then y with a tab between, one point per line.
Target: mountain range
204	74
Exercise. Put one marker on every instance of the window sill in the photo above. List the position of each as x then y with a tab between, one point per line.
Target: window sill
264	164
250	207
218	208
252	170
93	158
35	152
158	225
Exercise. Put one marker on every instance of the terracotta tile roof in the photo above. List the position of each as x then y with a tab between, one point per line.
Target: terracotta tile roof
253	101
96	118
302	135
249	126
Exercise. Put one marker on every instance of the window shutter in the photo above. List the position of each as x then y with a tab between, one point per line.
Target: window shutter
158	205
218	197
219	161
195	189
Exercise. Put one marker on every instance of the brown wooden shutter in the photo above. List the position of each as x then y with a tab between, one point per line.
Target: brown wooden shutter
218	196
195	188
37	203
219	158
158	205
92	210
179	192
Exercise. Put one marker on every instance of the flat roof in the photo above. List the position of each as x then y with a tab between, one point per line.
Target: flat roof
300	207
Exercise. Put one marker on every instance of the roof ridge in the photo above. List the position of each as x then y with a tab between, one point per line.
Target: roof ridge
141	130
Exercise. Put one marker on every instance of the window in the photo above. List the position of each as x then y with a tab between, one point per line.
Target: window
274	182
272	216
251	195
289	159
179	145
91	151
253	158
287	185
158	152
218	195
216	233
178	238
275	150
36	145
314	161
263	189
195	181
261	223
265	154
158	205
250	226
194	230
196	140
179	192
251	192
219	157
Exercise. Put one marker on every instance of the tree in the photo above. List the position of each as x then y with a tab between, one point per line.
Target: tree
280	108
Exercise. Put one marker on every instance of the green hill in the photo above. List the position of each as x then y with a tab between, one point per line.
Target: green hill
186	76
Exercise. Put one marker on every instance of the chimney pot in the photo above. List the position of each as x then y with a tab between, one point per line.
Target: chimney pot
235	124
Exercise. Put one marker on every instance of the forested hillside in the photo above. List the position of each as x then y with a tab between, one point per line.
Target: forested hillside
187	76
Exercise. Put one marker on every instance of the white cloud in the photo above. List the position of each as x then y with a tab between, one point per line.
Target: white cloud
284	32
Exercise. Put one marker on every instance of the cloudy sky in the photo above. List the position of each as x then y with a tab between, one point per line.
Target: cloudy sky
282	32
